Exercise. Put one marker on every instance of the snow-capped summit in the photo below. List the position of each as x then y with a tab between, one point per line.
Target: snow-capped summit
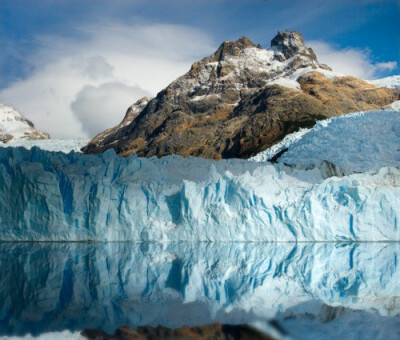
241	100
13	126
290	44
242	65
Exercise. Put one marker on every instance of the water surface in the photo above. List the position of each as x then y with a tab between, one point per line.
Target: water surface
48	287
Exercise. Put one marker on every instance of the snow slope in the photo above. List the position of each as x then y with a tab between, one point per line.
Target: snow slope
47	336
268	154
13	126
390	82
355	143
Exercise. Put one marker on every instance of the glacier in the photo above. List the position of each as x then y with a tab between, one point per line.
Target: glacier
54	287
57	145
73	197
339	181
357	142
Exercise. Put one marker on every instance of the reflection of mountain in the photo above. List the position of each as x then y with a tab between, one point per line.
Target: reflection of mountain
45	287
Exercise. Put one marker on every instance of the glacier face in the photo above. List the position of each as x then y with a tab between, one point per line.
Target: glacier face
74	197
49	287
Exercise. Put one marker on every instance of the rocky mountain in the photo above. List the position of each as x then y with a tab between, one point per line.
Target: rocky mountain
239	101
13	126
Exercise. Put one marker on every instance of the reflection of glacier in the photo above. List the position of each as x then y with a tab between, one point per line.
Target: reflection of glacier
56	196
46	287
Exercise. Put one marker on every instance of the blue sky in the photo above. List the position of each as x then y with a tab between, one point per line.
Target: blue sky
41	39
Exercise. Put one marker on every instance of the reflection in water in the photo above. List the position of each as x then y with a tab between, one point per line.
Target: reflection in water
55	286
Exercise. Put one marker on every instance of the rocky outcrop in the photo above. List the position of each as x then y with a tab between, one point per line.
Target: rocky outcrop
207	332
240	101
13	126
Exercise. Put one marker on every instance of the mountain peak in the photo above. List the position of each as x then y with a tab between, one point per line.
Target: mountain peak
232	48
290	43
13	126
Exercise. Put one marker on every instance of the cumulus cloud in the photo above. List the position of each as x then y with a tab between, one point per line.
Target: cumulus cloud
97	67
97	106
80	86
350	61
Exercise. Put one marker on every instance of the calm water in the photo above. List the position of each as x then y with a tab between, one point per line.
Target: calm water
71	286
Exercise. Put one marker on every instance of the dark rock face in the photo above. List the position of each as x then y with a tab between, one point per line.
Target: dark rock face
233	104
4	138
215	331
290	44
231	48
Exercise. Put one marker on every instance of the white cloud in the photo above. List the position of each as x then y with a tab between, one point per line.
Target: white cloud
68	87
389	66
349	61
97	67
97	107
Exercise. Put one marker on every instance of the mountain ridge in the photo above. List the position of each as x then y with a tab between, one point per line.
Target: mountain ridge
241	100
